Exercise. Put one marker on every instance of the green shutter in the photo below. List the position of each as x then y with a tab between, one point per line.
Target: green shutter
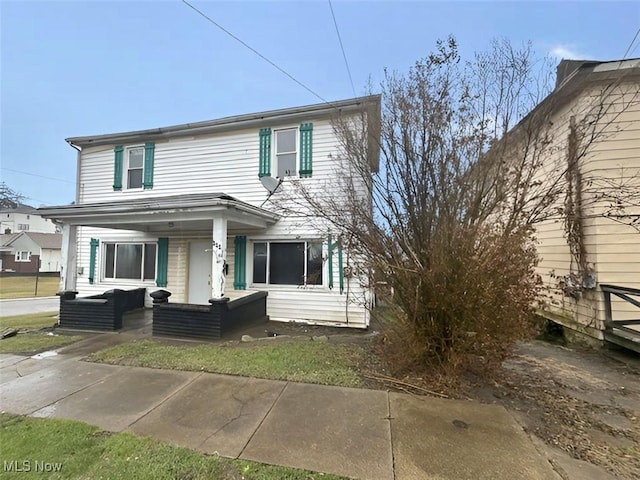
265	153
163	262
117	167
240	262
147	181
306	149
332	246
92	259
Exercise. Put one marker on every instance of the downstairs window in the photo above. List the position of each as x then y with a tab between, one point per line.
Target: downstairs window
130	261
287	263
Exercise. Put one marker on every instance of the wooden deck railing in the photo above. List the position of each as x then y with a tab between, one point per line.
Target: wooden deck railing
625	294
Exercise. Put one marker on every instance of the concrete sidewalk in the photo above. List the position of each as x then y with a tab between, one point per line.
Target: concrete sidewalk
358	433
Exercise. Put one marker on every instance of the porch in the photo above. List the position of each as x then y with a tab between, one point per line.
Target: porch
120	310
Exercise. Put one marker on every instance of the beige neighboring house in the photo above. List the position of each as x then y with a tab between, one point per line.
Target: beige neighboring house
607	258
26	251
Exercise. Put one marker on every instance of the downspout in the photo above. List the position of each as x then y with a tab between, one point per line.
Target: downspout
77	170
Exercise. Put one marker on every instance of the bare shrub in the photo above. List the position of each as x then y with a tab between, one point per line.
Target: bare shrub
446	218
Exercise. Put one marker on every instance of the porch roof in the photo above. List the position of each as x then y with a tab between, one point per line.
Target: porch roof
166	214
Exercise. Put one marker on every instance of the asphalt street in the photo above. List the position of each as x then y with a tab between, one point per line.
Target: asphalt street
23	306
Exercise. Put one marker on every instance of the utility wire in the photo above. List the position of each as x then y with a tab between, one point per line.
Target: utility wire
342	48
39	176
631	44
254	51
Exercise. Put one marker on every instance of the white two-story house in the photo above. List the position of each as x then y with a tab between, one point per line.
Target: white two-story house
192	209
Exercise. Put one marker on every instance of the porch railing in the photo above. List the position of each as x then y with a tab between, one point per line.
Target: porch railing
101	312
206	321
619	331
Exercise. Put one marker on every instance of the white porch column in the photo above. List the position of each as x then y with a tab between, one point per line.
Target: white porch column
68	267
218	258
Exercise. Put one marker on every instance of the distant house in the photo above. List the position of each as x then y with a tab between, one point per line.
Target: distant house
24	218
30	252
605	252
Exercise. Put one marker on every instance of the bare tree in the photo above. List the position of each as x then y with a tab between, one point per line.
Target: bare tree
447	217
9	198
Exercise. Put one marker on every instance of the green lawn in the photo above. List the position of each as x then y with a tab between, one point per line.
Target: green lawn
30	320
297	361
25	286
32	342
77	450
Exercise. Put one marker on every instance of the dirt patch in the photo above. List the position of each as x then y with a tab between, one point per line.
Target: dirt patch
581	402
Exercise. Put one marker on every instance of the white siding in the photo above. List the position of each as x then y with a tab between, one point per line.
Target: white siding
50	260
226	163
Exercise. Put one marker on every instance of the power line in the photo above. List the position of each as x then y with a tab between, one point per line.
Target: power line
39	176
631	44
254	51
342	48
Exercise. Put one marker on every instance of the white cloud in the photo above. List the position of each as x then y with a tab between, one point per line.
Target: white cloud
567	52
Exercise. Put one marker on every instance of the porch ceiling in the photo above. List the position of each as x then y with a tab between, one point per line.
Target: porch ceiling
167	214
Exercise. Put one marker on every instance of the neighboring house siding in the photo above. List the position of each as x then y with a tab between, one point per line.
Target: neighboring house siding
9	264
612	248
16	221
50	260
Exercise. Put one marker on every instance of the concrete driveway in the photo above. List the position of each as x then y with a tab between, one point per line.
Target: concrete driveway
22	306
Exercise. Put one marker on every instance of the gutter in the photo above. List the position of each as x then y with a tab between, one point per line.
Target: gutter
274	117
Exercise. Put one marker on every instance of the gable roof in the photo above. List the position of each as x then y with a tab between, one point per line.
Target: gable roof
575	75
7	238
42	240
46	240
270	117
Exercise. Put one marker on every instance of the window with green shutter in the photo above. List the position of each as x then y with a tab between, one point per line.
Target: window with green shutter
133	167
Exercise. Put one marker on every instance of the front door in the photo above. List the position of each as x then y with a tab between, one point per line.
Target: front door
200	272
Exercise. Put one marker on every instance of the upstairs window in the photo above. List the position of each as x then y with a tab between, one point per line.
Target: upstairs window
287	263
285	152
135	167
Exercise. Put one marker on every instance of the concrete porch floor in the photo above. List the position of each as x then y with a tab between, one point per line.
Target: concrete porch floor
138	322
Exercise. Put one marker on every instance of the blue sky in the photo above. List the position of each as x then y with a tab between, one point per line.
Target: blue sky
81	68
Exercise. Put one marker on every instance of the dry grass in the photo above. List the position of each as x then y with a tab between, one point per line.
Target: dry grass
25	287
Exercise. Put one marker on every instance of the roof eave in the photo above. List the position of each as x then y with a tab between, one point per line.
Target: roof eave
252	120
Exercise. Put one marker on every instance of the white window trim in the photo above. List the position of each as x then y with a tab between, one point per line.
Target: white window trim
274	286
274	154
125	170
19	257
126	281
